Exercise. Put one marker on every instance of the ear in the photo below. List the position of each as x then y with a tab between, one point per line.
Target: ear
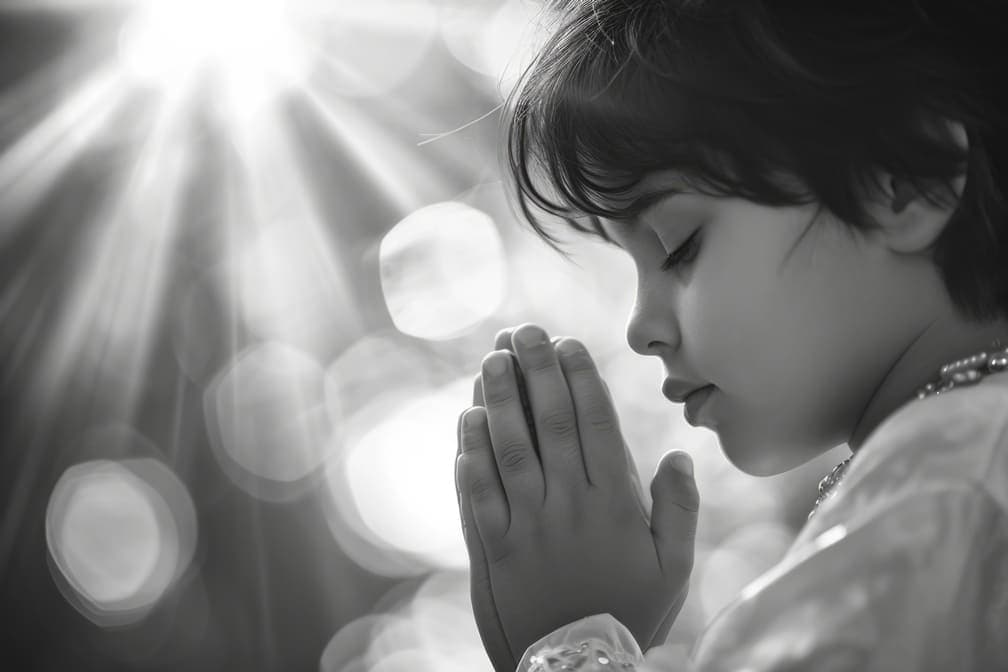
909	222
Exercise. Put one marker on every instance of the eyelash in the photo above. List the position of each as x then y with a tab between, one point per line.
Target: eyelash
688	248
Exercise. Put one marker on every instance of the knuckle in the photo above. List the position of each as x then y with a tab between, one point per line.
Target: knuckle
601	418
471	444
514	456
580	363
500	395
561	423
482	490
545	364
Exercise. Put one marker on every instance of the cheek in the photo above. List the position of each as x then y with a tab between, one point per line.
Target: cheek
778	338
761	324
736	313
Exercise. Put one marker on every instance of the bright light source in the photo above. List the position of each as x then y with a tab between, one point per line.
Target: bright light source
246	44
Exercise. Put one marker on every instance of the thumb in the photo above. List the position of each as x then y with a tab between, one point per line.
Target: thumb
674	513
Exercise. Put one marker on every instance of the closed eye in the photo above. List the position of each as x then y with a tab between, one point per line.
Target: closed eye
685	252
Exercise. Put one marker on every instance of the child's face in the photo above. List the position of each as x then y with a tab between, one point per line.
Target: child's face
795	318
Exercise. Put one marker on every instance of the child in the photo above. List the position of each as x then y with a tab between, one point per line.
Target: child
813	196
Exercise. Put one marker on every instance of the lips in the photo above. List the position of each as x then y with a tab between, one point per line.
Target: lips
695	401
693	395
678	391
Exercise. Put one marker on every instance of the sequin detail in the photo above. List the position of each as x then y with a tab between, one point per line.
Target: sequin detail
588	656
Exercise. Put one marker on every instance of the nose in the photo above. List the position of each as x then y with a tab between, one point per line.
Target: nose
652	325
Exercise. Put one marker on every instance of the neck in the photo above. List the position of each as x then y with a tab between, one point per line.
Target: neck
942	341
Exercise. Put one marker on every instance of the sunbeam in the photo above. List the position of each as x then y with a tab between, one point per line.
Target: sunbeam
104	329
283	274
402	178
33	163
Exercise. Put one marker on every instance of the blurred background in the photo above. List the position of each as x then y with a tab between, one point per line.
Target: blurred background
252	253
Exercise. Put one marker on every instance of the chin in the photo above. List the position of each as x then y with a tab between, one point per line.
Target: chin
763	459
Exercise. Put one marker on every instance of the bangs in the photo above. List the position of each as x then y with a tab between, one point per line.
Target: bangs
593	117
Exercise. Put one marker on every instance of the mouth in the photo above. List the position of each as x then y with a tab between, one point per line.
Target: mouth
695	401
692	395
676	393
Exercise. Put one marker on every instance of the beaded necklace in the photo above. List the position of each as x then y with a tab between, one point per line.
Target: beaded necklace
960	373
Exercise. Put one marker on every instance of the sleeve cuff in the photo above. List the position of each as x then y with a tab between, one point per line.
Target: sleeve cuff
597	643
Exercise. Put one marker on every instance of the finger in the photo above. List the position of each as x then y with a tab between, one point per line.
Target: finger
552	408
643	497
502	341
479	481
481	594
517	462
605	453
485	610
478	391
478	400
674	514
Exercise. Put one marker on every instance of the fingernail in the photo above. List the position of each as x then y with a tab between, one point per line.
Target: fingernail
682	463
530	336
471	419
495	365
568	347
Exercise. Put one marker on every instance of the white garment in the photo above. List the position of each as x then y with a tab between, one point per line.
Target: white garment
904	567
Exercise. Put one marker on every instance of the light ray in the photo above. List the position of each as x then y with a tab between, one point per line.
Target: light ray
31	166
410	170
374	154
284	275
104	328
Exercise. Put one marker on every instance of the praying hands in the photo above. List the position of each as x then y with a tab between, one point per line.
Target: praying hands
553	525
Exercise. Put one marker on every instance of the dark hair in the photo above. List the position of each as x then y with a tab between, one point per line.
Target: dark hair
735	94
